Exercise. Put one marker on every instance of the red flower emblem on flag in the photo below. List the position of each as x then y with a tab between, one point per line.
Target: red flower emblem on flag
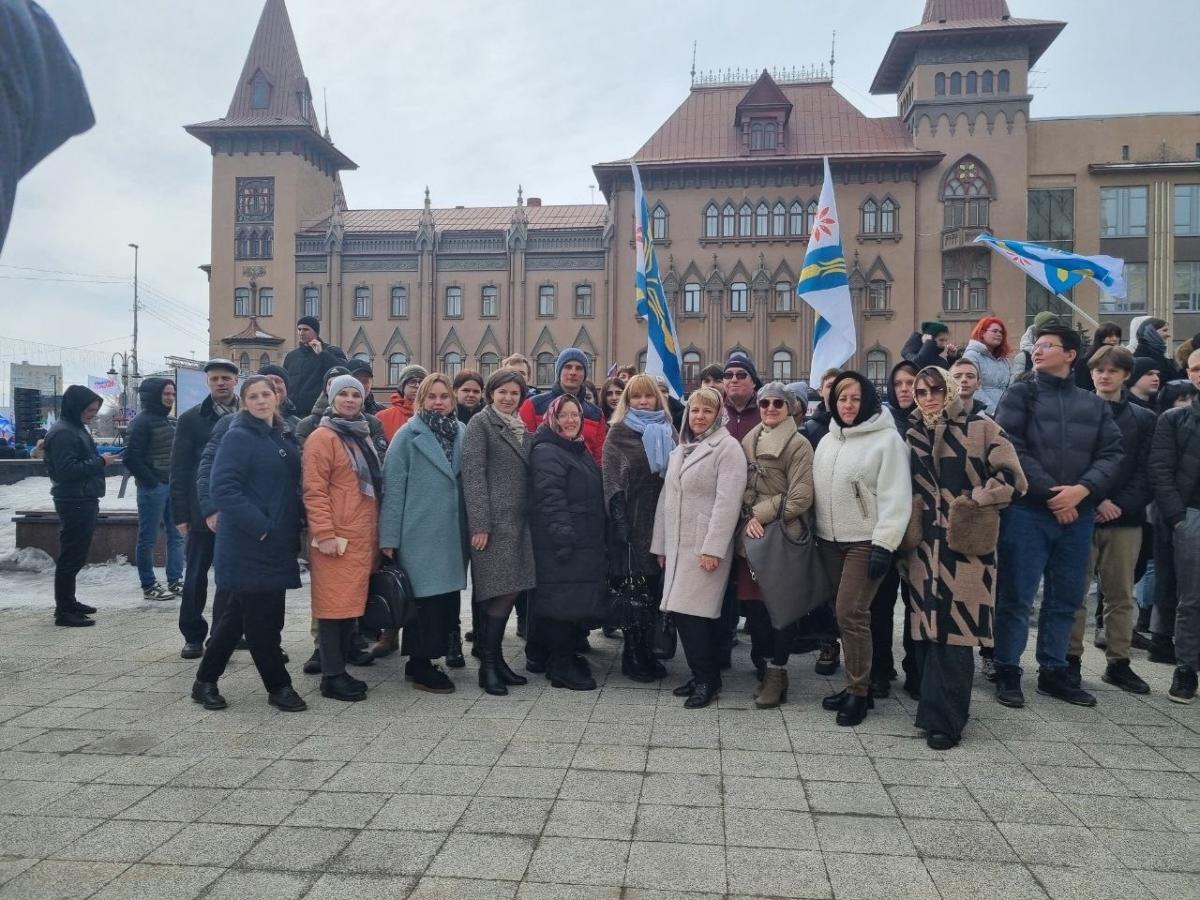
823	224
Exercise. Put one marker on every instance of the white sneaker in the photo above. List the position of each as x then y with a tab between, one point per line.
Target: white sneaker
156	591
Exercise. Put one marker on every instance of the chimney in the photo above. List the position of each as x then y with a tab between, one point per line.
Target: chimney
534	201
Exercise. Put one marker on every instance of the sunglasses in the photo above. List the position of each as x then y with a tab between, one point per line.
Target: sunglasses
930	392
772	403
736	375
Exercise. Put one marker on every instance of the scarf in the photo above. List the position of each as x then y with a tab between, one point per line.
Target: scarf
948	399
550	420
1150	342
225	410
356	438
657	440
690	443
444	428
514	424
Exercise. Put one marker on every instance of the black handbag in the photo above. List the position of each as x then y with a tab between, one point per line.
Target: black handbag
629	602
390	599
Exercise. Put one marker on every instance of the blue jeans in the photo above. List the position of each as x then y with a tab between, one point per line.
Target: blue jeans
1145	588
1033	545
154	509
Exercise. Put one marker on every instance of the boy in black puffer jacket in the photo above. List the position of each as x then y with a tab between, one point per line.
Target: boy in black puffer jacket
149	442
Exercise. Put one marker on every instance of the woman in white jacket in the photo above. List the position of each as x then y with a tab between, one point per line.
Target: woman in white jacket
697	513
863	504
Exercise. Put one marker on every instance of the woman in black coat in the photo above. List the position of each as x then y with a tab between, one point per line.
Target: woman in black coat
256	490
568	540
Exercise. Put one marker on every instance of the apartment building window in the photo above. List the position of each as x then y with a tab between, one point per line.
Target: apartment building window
784	296
870	216
691	298
312	302
781	366
362	303
877	367
399	305
952	295
489	301
691	369
1187	209
266	301
887	216
977	294
453	303
452	363
396	364
583	301
761	220
1123	211
544	370
728	221
739	297
878	295
241	301
745	214
1187	286
546	300
1051	217
488	364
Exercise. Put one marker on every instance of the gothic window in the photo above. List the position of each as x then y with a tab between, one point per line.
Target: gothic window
691	369
870	217
266	301
452	363
781	366
488	364
398	309
956	83
779	219
796	226
641	361
255	244
756	136
691	298
710	220
811	221
728	221
739	297
887	216
546	300
744	217
396	364
878	295
264	360
453	302
769	139
363	356
255	199
877	367
362	302
267	240
260	92
241	244
966	195
244	363
986	82
1002	82
489	301
583	301
658	223
972	83
761	220
939	83
784	292
241	301
544	373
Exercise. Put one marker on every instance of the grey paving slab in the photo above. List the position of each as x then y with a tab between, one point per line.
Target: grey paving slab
206	844
336	886
145	881
54	879
672	866
860	876
238	884
983	880
688	825
119	841
578	861
777	873
437	888
289	848
590	818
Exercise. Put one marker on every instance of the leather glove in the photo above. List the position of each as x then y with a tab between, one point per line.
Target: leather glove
879	562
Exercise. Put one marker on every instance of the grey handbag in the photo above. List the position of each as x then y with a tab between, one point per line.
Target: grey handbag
788	572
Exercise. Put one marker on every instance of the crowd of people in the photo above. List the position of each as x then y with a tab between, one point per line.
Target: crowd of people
967	485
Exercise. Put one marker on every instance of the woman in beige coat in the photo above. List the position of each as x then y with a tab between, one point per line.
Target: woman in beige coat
779	488
693	537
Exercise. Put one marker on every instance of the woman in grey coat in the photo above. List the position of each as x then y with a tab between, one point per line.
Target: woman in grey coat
495	474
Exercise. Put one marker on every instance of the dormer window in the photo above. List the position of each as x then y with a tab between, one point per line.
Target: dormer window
260	91
763	135
762	115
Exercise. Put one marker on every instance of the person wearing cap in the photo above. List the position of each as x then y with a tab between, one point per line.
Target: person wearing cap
570	373
1144	381
308	363
192	433
800	391
741	381
400	404
361	369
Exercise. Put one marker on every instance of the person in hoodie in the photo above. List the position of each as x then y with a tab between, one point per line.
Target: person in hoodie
863	501
400	404
1151	340
307	364
989	350
1022	361
149	441
570	373
76	483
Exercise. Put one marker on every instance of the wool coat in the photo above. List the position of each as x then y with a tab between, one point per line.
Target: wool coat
965	455
423	516
631	493
697	513
496	484
568	528
995	374
256	490
779	480
336	508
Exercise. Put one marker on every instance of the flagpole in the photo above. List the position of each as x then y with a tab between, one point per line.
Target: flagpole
1094	323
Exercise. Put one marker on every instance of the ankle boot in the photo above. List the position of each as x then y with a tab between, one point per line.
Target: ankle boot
853	711
454	654
1162	650
645	652
388	643
499	625
340	687
489	673
633	665
774	688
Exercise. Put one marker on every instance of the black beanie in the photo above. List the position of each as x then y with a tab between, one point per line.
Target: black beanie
273	369
311	321
738	360
1141	366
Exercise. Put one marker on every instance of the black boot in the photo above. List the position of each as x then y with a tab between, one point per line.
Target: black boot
564	672
1075	671
489	673
835	702
312	665
644	648
704	693
511	678
1118	673
854	710
1162	650
454	654
340	687
206	694
633	665
1008	686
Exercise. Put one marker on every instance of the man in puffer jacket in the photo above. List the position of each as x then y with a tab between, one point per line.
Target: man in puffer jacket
1070	450
149	442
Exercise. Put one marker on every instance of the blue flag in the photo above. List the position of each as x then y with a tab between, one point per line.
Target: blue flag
825	287
1057	270
662	343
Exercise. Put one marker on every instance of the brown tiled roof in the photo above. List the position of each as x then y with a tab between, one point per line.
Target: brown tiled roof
964	9
273	51
823	122
470	218
252	334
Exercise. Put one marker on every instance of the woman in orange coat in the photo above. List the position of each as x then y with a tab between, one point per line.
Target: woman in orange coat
343	485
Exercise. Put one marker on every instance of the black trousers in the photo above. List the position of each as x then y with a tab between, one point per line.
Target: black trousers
883	606
201	543
946	673
731	611
335	641
1166	593
77	524
702	646
772	644
259	615
427	638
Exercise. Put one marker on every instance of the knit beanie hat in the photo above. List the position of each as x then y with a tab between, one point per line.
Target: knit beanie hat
777	390
340	384
570	354
738	360
409	373
1141	366
933	327
279	371
311	321
1045	317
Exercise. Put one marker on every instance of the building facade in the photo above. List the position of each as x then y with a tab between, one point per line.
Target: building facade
43	379
732	177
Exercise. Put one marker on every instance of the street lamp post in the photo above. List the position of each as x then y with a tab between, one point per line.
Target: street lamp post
112	373
136	373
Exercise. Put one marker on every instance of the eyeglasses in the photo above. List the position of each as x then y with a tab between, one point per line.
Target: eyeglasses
1042	346
736	375
930	392
999	331
772	403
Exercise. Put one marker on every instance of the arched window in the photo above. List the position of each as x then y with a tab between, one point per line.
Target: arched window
544	373
745	214
399	306
312	302
363	356
546	300
453	302
260	92
939	83
756	136
877	367
955	83
641	361
266	301
1002	82
966	195
779	219
489	301
739	297
264	360
488	364
691	298
972	83
244	363
362	302
987	85
241	301
396	363
452	363
658	223
242	244
781	366
769	136
762	220
784	294
887	216
870	216
728	221
710	220
691	369
255	243
267	242
796	226
811	220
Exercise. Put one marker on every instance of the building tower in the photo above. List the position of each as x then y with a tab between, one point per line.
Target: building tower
273	172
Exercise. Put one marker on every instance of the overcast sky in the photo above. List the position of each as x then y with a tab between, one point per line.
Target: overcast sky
470	98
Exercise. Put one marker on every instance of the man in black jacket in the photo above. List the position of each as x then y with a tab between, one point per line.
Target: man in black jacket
1070	449
191	435
148	458
76	484
307	364
1175	477
1119	518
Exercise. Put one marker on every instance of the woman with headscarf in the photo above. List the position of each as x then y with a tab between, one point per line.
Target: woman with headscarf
779	488
423	524
567	526
496	482
863	502
988	348
693	537
636	451
964	471
343	485
1151	343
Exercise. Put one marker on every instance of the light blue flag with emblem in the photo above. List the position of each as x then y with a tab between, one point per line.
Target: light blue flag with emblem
824	286
662	343
1057	270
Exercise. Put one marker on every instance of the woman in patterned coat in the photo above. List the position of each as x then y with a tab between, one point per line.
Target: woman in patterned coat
964	472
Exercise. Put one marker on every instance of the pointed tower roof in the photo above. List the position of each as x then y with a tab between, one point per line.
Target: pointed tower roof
764	95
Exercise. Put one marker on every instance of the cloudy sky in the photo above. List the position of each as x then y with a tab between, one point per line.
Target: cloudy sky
469	97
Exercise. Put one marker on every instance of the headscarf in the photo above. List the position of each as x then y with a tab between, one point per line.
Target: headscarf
869	407
689	441
658	439
1149	341
949	398
444	428
356	438
1135	326
550	420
